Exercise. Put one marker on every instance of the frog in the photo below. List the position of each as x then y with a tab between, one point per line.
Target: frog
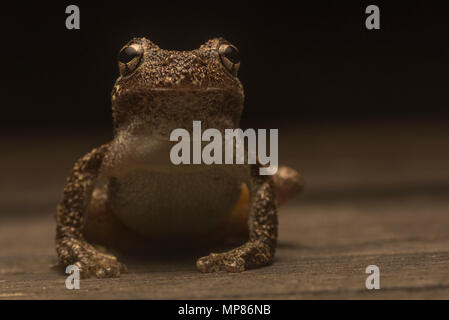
127	191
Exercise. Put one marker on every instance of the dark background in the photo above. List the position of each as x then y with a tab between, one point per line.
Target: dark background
300	62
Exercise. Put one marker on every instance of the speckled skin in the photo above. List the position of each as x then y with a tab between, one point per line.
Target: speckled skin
129	189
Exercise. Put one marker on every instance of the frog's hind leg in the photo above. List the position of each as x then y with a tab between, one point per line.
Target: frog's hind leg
287	184
260	248
102	227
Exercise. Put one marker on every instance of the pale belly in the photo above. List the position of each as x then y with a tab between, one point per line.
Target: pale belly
183	202
157	199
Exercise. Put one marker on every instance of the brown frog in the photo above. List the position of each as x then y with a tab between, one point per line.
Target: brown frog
128	192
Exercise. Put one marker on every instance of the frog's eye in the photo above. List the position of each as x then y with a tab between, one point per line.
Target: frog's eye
129	58
230	58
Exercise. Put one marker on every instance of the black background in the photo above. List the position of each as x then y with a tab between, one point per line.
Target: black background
300	62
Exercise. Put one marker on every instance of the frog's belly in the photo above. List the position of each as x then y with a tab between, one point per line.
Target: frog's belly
184	202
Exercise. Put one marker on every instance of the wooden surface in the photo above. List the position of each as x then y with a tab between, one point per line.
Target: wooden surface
376	194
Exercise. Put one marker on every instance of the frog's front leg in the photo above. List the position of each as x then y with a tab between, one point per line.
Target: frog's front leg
71	246
259	250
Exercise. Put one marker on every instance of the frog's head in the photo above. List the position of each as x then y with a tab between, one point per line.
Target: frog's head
160	90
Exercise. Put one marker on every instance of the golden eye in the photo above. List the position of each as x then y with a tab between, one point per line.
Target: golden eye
230	57
129	58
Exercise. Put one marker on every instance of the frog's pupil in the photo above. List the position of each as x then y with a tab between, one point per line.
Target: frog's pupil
127	54
232	54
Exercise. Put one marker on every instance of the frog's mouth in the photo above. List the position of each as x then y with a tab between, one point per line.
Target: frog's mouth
192	92
189	88
162	110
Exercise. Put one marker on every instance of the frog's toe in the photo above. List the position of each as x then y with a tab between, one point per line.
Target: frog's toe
209	263
102	265
216	262
106	266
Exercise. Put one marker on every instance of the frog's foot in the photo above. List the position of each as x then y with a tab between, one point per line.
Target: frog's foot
252	254
89	260
220	262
